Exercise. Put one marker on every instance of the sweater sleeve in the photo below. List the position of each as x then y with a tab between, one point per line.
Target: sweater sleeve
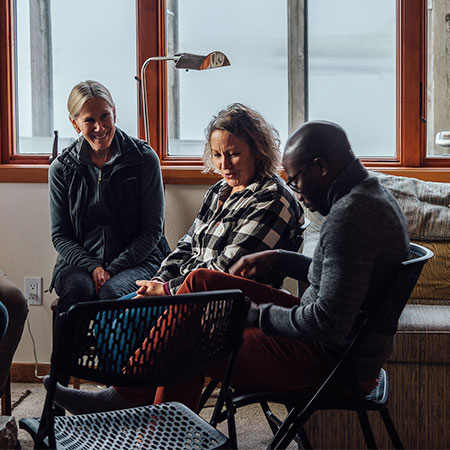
63	236
294	265
151	218
339	284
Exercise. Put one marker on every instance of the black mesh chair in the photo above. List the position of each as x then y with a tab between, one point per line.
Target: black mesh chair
96	340
341	389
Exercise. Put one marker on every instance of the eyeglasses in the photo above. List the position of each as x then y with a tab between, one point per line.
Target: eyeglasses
291	180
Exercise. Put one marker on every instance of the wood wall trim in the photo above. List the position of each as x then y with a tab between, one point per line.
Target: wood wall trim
151	41
24	372
7	76
22	173
188	175
411	64
428	174
11	173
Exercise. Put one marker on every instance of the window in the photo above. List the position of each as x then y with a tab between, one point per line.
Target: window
371	56
58	45
253	35
438	83
351	71
269	61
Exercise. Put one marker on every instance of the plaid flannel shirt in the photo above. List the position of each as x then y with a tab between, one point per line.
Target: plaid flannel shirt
265	215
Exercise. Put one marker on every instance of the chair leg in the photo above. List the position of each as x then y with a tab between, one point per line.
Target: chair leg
301	437
207	393
304	440
76	381
366	429
6	398
272	420
390	427
231	422
290	429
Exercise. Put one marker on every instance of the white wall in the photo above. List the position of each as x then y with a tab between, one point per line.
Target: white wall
26	248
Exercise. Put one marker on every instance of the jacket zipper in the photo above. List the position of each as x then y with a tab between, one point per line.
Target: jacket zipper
99	199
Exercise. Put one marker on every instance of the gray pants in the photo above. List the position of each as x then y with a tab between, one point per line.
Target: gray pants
11	296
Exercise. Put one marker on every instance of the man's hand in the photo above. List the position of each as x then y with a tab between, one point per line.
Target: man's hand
100	276
260	263
149	288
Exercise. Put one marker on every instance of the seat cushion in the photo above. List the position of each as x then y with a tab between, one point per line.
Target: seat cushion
423	335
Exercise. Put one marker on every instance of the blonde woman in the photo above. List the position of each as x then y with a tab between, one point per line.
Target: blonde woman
106	204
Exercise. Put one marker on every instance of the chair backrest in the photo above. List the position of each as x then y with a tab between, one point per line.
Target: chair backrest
388	308
188	332
385	309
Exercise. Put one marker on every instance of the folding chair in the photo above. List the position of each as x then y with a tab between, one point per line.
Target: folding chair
93	342
301	405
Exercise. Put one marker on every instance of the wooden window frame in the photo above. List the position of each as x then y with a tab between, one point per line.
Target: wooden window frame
411	159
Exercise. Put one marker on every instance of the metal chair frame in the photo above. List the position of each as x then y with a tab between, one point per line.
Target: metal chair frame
6	398
301	405
93	342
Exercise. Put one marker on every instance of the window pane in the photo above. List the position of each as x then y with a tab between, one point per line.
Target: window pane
438	86
61	45
253	35
351	70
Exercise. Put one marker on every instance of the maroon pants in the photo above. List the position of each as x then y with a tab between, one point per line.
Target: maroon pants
263	363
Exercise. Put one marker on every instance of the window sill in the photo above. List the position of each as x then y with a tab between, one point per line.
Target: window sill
441	175
188	175
23	173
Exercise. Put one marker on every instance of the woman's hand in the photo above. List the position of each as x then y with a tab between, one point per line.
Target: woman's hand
100	276
150	288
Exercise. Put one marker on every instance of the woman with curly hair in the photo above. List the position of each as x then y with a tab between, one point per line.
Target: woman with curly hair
249	210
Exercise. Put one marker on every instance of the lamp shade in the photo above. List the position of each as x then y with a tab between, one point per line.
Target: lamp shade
182	61
200	62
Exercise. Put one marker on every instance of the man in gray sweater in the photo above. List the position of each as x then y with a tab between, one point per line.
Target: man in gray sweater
291	342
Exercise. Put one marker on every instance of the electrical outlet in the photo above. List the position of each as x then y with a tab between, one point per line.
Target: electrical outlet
33	290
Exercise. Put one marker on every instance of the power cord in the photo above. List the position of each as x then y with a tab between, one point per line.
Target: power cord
34	351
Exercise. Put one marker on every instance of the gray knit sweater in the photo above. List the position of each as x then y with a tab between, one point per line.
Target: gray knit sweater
362	238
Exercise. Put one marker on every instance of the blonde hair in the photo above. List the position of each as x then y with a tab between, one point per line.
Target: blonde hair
246	124
84	91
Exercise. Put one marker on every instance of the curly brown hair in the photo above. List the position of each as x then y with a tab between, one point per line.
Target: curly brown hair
246	124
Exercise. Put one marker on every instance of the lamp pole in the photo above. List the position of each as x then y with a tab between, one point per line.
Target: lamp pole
144	88
182	61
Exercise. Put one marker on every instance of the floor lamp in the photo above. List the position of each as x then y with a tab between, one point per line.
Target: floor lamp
185	61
